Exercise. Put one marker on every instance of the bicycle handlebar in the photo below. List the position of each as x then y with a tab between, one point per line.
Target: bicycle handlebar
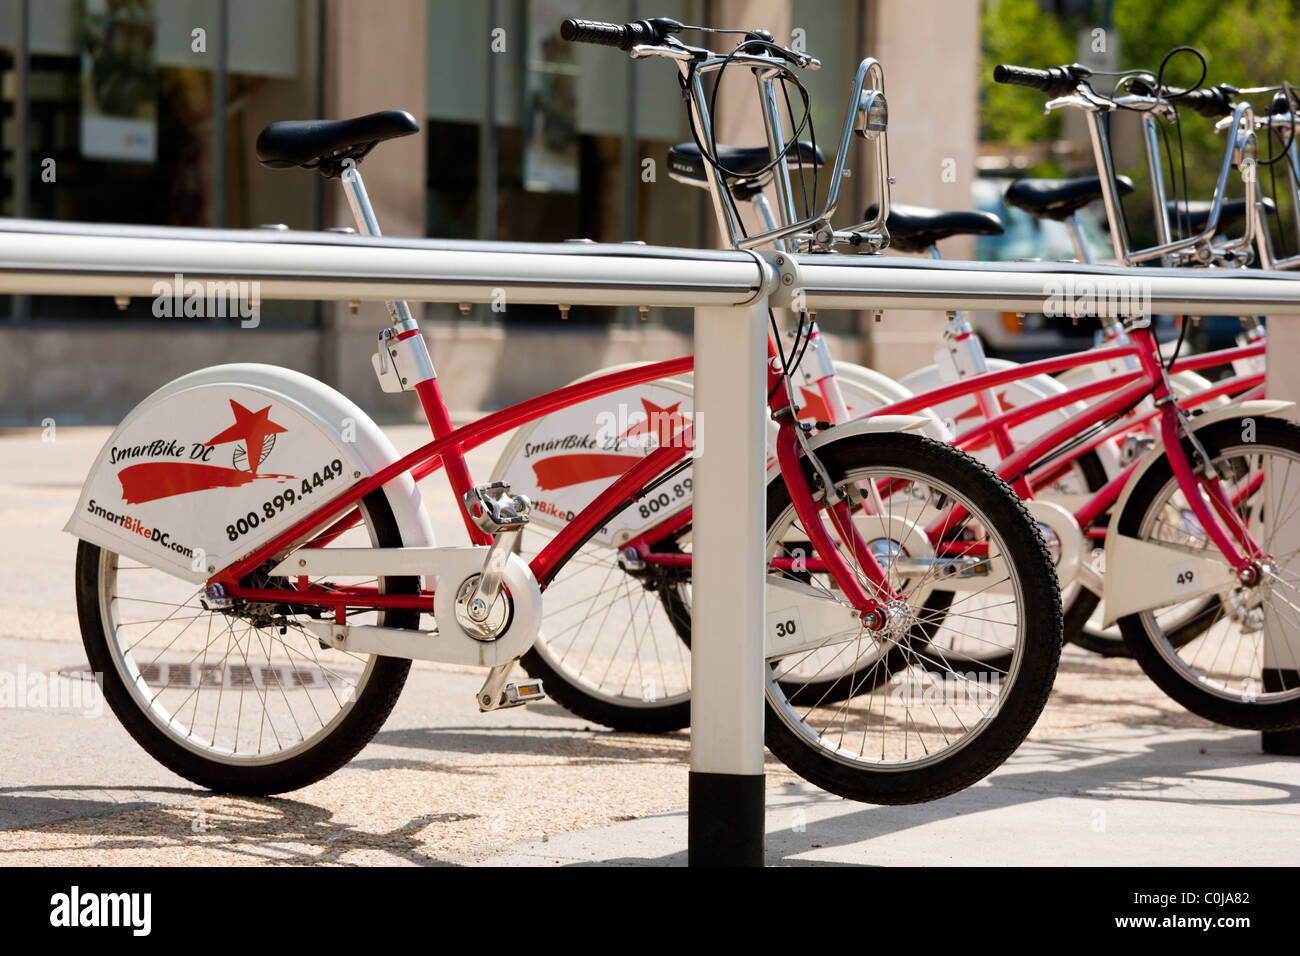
621	35
656	31
1212	102
1057	81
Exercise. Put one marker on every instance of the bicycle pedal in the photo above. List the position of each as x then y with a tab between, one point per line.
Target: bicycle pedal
517	693
494	509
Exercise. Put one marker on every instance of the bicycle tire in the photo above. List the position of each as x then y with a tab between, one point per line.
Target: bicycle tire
1194	689
367	713
1038	653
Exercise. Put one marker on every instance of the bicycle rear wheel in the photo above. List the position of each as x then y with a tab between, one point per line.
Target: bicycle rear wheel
243	700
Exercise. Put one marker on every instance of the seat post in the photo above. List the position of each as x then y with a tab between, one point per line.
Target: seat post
368	225
1112	329
406	329
1076	239
355	190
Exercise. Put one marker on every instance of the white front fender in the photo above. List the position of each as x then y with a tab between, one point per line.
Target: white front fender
873	425
174	486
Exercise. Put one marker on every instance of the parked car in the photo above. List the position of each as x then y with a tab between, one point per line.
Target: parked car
1027	238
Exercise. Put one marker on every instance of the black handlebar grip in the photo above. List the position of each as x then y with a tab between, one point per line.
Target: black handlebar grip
1022	76
1212	102
624	36
593	31
1058	81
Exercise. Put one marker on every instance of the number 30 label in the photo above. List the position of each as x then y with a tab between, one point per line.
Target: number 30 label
784	628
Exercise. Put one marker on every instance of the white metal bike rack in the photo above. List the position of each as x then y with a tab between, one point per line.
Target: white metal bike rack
730	292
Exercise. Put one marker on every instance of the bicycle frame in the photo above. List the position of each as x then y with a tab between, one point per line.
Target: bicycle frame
1145	378
447	451
448	447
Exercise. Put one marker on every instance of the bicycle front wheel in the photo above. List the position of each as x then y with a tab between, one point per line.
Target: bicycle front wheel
918	725
1242	667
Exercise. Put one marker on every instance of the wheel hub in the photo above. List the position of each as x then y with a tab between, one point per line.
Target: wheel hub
899	620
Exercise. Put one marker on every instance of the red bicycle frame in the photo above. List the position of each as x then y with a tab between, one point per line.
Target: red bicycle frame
447	451
1124	392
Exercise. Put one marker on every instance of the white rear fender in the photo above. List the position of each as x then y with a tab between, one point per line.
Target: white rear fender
564	460
175	486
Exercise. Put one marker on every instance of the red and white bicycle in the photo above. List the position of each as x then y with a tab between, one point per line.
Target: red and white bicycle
256	565
1199	535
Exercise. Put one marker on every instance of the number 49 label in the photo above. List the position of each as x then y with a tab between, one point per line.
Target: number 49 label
1184	578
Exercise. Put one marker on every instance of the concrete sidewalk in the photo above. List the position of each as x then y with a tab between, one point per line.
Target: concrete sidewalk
1114	773
1147	796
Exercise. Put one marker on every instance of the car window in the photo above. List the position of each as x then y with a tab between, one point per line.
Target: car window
1026	237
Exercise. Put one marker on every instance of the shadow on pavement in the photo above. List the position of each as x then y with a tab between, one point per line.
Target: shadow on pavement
590	748
1193	769
262	829
1168	772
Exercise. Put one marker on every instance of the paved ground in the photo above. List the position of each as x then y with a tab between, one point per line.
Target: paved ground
1114	773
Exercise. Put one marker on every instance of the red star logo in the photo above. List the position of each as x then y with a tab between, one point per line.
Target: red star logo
250	427
814	407
664	422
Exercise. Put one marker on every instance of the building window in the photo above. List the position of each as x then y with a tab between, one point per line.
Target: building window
528	132
146	111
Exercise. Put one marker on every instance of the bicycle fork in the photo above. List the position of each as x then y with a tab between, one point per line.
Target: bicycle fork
838	506
1200	482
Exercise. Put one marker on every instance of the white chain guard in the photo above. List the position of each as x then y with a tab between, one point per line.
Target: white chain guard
449	643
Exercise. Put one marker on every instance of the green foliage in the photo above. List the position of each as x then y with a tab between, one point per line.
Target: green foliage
1245	43
1015	31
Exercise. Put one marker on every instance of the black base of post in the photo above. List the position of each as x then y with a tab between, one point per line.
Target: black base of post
725	819
1284	743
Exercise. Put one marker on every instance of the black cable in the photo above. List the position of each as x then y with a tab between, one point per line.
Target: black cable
710	156
1160	73
1182	336
798	154
1182	165
1272	188
785	366
1183	214
1076	441
812	140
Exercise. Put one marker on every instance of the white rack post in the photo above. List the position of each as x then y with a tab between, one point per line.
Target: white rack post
728	531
